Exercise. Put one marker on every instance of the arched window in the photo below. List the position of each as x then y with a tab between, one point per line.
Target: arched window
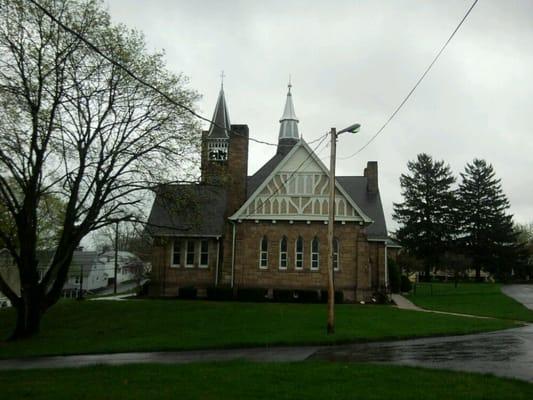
315	256
283	262
263	253
336	264
299	253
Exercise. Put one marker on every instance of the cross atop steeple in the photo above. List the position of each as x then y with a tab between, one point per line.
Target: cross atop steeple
290	84
222	76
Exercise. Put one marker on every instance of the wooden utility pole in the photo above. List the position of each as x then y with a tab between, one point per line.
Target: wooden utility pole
331	222
116	259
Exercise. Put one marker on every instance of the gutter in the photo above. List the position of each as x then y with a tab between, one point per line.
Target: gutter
218	262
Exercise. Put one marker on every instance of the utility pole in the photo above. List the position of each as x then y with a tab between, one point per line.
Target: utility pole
331	221
116	258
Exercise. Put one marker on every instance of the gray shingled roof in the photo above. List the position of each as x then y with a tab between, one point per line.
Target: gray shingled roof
188	210
370	204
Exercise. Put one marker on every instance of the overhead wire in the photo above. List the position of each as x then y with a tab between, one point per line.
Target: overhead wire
406	98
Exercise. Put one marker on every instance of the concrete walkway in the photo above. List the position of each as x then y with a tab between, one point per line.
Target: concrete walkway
404	304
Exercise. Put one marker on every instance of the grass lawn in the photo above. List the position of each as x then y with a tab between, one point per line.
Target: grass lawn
73	327
244	380
470	298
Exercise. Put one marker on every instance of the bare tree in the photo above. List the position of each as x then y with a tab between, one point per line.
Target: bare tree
78	127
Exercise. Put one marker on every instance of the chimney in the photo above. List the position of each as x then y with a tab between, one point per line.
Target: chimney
371	174
237	167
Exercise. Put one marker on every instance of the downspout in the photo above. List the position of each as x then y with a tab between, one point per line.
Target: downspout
386	269
233	256
218	261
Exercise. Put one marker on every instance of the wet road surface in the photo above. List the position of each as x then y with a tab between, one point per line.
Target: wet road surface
506	353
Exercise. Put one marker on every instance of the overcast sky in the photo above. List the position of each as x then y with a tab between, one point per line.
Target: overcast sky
354	61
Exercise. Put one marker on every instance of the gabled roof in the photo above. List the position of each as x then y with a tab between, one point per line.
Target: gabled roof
188	210
275	166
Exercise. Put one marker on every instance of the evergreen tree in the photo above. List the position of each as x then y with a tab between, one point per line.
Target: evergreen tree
426	216
487	232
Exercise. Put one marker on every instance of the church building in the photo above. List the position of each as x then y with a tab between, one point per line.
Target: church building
267	231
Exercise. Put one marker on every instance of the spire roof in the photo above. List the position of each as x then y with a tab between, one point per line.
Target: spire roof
222	126
289	122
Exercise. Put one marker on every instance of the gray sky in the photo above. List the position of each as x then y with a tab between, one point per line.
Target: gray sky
354	61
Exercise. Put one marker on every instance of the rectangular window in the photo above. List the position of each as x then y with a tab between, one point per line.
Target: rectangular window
176	253
263	253
190	254
204	253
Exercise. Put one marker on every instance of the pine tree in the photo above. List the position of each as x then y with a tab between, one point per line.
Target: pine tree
426	216
487	232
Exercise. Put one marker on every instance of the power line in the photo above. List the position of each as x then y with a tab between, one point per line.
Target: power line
134	76
414	87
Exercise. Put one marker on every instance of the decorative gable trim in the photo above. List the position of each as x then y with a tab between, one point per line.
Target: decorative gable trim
241	212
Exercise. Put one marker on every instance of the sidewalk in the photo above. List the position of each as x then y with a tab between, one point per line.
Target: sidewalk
405	304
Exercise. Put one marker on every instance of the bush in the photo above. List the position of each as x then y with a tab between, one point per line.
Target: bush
394	276
220	293
187	293
252	294
405	284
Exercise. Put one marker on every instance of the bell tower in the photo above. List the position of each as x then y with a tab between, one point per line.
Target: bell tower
225	155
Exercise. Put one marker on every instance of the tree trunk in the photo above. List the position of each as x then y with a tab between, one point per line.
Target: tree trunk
29	314
478	273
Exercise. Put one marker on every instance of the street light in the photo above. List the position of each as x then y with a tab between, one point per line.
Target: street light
331	220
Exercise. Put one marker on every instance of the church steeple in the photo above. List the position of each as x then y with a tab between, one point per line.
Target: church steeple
222	126
288	130
289	122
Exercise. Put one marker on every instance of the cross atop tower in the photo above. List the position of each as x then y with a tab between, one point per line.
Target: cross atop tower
222	76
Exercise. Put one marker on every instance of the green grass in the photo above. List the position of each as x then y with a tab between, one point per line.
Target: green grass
244	380
73	327
484	299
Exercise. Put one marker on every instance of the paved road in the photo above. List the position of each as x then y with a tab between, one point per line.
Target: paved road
506	353
521	293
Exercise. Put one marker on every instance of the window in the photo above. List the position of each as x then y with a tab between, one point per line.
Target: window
189	255
283	253
299	253
176	253
204	253
315	257
336	254
263	253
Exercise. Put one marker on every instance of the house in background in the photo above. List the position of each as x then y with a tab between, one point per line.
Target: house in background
130	266
9	273
267	231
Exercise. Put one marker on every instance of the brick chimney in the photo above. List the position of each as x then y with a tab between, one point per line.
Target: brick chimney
371	173
237	167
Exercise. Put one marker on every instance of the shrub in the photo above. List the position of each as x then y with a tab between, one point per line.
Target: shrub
405	284
394	276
